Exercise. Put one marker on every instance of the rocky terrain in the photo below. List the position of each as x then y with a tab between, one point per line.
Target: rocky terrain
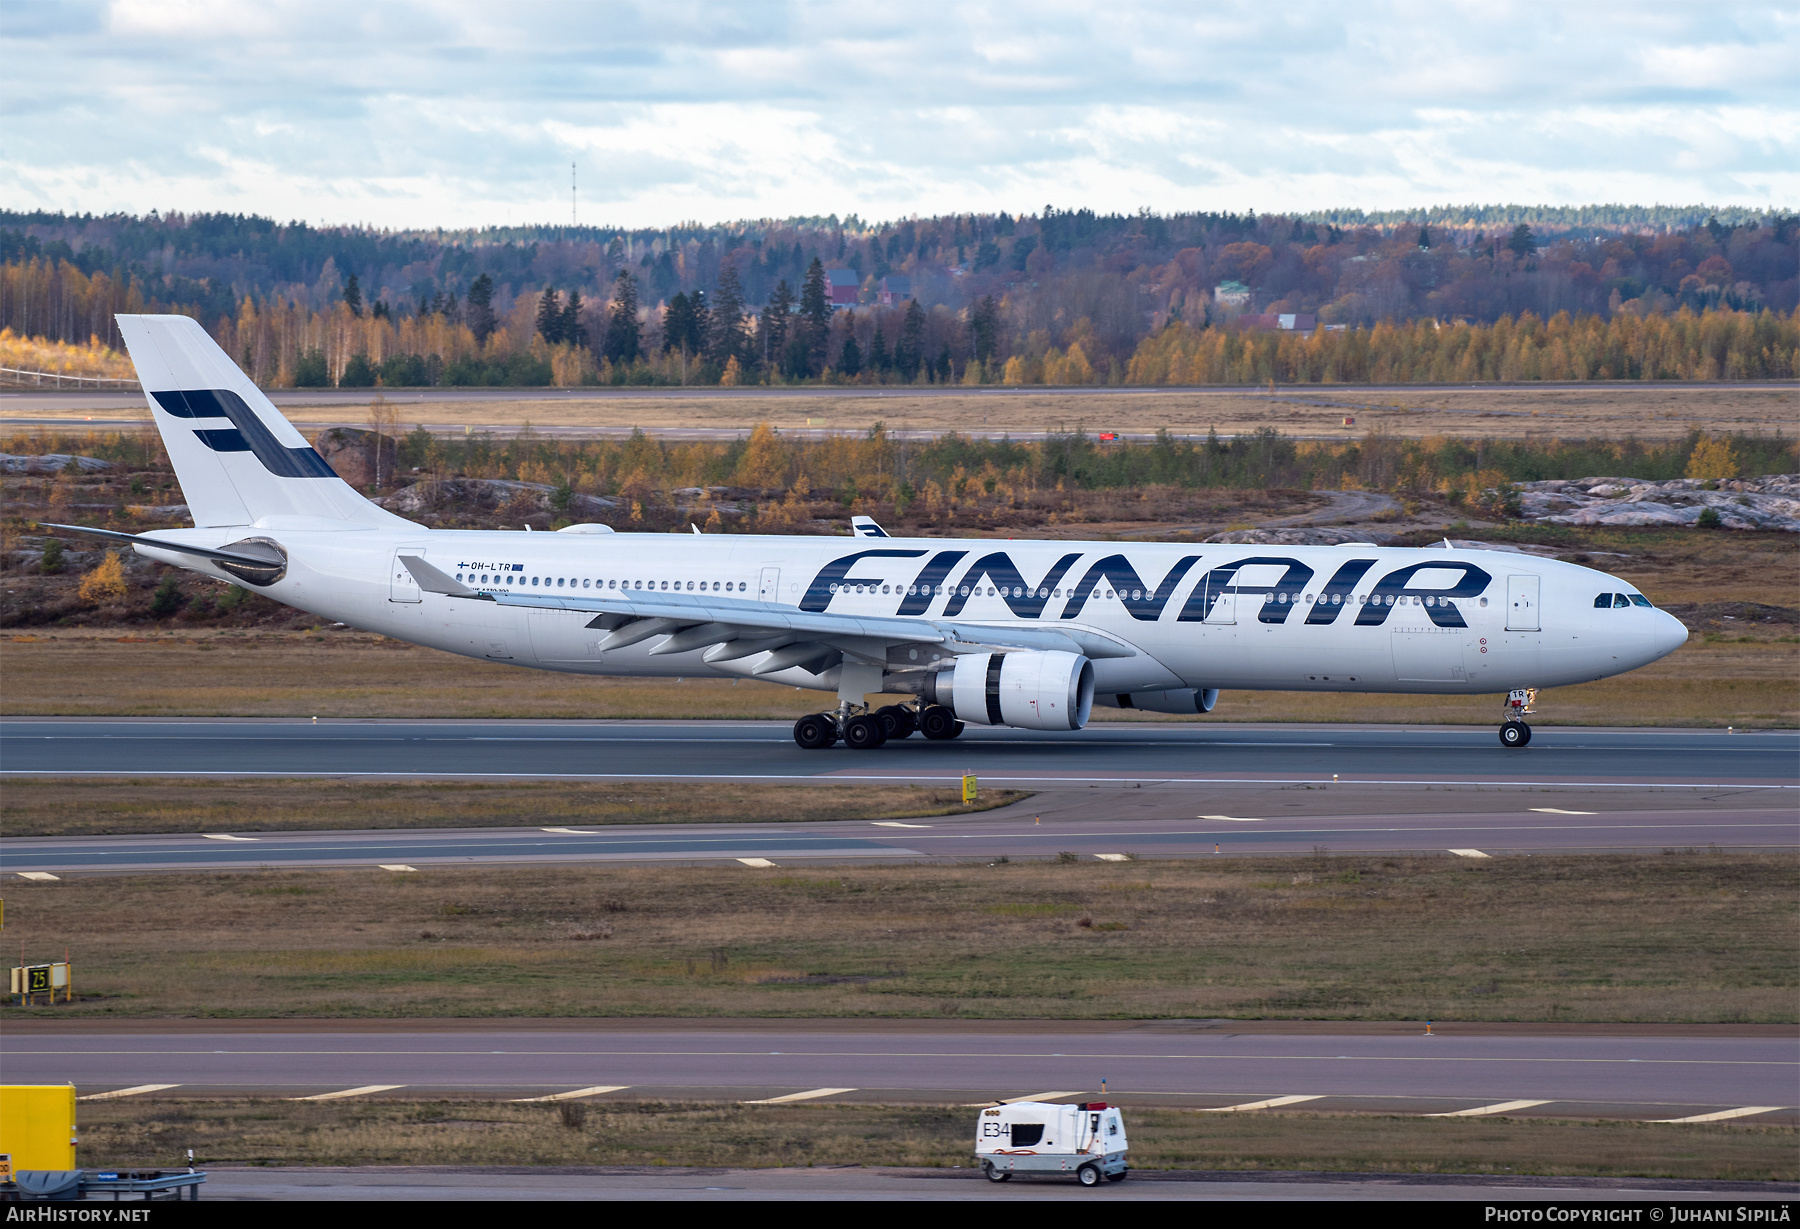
1740	503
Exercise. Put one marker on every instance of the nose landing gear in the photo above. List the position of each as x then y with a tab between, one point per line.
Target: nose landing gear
1513	731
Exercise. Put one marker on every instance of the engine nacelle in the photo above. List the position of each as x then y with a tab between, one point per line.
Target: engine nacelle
1187	702
1027	690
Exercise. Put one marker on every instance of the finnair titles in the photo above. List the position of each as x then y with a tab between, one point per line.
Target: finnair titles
1028	635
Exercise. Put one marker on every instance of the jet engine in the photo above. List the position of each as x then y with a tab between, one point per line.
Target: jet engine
1187	702
1027	690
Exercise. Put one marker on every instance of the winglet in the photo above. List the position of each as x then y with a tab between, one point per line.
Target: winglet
433	581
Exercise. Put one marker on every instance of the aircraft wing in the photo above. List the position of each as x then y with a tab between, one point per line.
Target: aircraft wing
737	628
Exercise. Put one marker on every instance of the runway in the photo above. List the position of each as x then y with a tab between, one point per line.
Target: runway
1106	793
1191	1065
734	750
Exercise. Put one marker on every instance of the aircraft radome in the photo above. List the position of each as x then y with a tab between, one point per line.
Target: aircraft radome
1023	634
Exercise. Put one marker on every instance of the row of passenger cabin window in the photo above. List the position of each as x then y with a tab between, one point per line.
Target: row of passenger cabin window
1618	601
1336	599
575	582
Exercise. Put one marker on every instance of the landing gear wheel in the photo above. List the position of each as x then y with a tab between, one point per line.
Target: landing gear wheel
897	720
994	1175
1088	1175
1515	734
938	722
815	732
863	733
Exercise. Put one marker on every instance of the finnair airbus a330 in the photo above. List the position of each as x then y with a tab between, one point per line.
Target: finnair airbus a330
1023	634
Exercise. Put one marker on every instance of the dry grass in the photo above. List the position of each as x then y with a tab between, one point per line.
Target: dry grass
1676	937
1647	410
355	674
145	1131
108	807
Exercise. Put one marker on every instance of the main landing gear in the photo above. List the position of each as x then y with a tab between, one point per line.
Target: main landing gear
866	730
1513	731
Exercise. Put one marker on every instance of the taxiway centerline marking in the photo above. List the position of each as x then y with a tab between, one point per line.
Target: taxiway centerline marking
1743	1111
595	1091
1559	811
1271	1103
894	823
800	1096
1479	1111
362	1090
219	836
133	1091
1231	819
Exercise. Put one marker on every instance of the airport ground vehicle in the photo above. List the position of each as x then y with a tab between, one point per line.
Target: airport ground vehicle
1049	1139
1012	633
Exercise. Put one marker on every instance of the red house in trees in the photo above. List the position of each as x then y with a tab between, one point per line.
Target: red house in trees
894	290
843	285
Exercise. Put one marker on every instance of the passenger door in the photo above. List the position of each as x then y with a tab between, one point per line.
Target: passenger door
768	589
1522	604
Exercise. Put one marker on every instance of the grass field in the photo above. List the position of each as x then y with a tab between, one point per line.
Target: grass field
72	672
1648	410
109	806
158	1131
1683	936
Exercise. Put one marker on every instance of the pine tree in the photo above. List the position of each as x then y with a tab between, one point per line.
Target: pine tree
879	359
481	308
623	342
984	326
1523	243
909	351
850	359
353	296
678	323
725	335
815	316
777	318
573	330
550	316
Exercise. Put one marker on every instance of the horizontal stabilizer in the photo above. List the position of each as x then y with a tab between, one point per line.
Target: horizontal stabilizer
204	552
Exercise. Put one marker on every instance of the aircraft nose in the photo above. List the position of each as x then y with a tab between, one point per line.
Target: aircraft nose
1670	634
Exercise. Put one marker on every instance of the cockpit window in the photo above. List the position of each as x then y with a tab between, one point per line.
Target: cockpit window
1638	599
1620	601
1603	602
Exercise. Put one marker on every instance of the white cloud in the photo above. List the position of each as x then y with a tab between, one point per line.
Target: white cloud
457	112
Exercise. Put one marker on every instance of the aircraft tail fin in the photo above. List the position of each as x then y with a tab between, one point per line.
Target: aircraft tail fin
238	460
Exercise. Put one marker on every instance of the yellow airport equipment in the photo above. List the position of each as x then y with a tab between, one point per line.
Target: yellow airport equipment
32	979
968	788
37	1126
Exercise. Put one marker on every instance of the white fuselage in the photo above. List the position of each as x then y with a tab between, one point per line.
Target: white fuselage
1343	618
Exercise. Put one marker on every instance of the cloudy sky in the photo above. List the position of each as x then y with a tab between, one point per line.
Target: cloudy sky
453	113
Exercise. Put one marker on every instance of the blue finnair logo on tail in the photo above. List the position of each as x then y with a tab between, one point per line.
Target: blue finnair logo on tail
247	433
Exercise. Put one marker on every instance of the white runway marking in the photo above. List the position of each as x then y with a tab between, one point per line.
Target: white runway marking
801	1096
40	876
219	836
1499	1107
133	1091
756	862
361	1091
1468	853
595	1091
569	831
396	866
894	823
1271	1103
1036	1096
1230	819
1113	857
1741	1112
1559	811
